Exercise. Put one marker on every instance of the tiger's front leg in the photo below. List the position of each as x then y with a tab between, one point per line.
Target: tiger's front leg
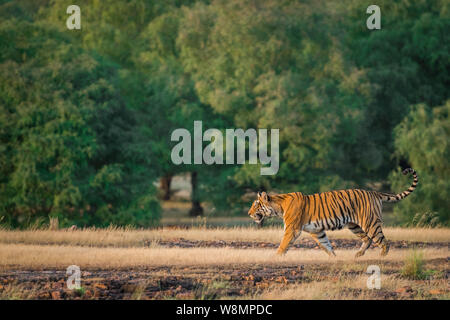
290	234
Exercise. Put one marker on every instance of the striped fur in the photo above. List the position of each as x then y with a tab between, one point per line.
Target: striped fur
358	210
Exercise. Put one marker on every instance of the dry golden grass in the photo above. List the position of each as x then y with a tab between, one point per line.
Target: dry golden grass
350	288
112	249
123	237
15	291
20	256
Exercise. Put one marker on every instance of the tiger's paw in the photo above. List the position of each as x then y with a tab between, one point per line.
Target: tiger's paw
384	251
359	254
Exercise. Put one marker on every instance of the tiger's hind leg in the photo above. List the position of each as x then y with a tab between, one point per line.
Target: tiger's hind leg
378	238
363	236
323	242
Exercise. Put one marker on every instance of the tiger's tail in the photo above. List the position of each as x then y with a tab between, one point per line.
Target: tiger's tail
397	197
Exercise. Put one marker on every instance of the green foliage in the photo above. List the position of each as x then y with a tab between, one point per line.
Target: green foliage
86	115
267	66
406	63
422	139
80	291
425	219
413	267
68	148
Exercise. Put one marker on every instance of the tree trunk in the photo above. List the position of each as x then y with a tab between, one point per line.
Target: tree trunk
196	209
164	185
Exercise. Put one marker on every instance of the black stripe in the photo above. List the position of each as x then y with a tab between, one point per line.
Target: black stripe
376	232
333	203
325	204
323	210
344	206
339	202
319	207
349	206
316	208
306	210
361	202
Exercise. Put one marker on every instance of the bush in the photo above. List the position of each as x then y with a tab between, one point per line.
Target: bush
422	139
414	265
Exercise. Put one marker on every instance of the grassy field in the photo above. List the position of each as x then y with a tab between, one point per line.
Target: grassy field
123	237
232	263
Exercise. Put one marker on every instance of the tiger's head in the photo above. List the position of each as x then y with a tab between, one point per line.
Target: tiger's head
262	208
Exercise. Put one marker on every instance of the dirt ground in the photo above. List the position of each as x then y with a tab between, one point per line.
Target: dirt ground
204	283
301	243
343	280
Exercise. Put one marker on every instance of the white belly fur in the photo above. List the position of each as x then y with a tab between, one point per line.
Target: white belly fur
317	226
311	228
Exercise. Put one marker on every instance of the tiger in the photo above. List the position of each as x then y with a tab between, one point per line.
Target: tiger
358	210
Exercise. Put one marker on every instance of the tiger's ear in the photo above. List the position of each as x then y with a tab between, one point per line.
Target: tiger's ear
264	196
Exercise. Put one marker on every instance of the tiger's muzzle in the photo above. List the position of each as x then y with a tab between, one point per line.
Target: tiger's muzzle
258	218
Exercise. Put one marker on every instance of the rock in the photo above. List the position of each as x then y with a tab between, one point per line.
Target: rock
335	279
281	279
435	291
248	278
56	295
57	285
185	295
44	295
97	293
129	288
100	286
70	293
404	290
262	285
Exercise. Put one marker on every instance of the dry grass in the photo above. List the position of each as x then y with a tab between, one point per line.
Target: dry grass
19	256
351	288
123	237
14	291
132	250
414	265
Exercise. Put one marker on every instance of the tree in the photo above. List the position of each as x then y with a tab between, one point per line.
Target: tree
422	140
264	65
405	64
69	148
172	90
